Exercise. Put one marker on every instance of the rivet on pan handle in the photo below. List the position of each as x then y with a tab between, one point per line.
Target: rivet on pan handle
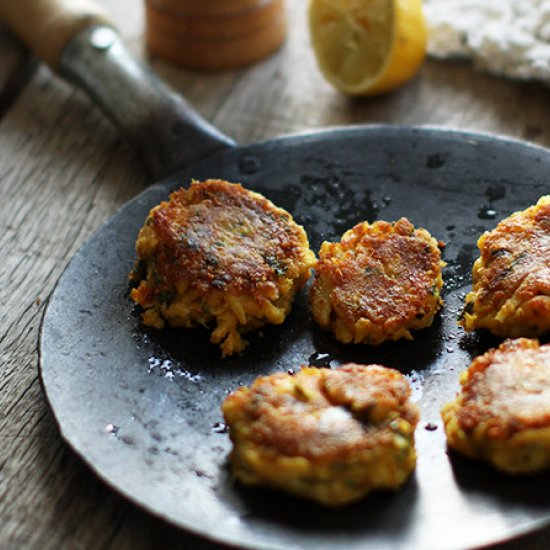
77	39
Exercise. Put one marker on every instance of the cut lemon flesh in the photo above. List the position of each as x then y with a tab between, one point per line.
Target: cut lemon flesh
365	47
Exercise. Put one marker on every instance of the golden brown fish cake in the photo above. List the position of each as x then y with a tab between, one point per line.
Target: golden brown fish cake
381	281
511	278
218	253
331	436
502	414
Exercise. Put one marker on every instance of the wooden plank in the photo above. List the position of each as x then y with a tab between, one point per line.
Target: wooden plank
64	170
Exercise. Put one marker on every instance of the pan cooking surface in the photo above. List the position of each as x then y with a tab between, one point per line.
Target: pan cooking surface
143	407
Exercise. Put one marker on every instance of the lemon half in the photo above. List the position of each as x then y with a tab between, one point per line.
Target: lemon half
366	47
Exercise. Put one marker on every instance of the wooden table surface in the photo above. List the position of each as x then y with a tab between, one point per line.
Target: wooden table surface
64	170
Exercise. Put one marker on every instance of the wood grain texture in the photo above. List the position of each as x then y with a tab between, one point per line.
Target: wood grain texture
63	171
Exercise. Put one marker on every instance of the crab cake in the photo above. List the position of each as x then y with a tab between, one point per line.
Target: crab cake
331	436
502	414
381	281
511	278
218	253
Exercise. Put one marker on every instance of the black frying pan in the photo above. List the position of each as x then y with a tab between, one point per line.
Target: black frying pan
141	407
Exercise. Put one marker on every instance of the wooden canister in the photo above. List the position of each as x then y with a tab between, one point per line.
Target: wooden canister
208	7
214	34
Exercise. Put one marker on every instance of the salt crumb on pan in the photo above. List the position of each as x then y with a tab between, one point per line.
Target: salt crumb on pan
507	37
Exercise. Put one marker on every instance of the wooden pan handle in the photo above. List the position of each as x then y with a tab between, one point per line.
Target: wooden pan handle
47	26
77	40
